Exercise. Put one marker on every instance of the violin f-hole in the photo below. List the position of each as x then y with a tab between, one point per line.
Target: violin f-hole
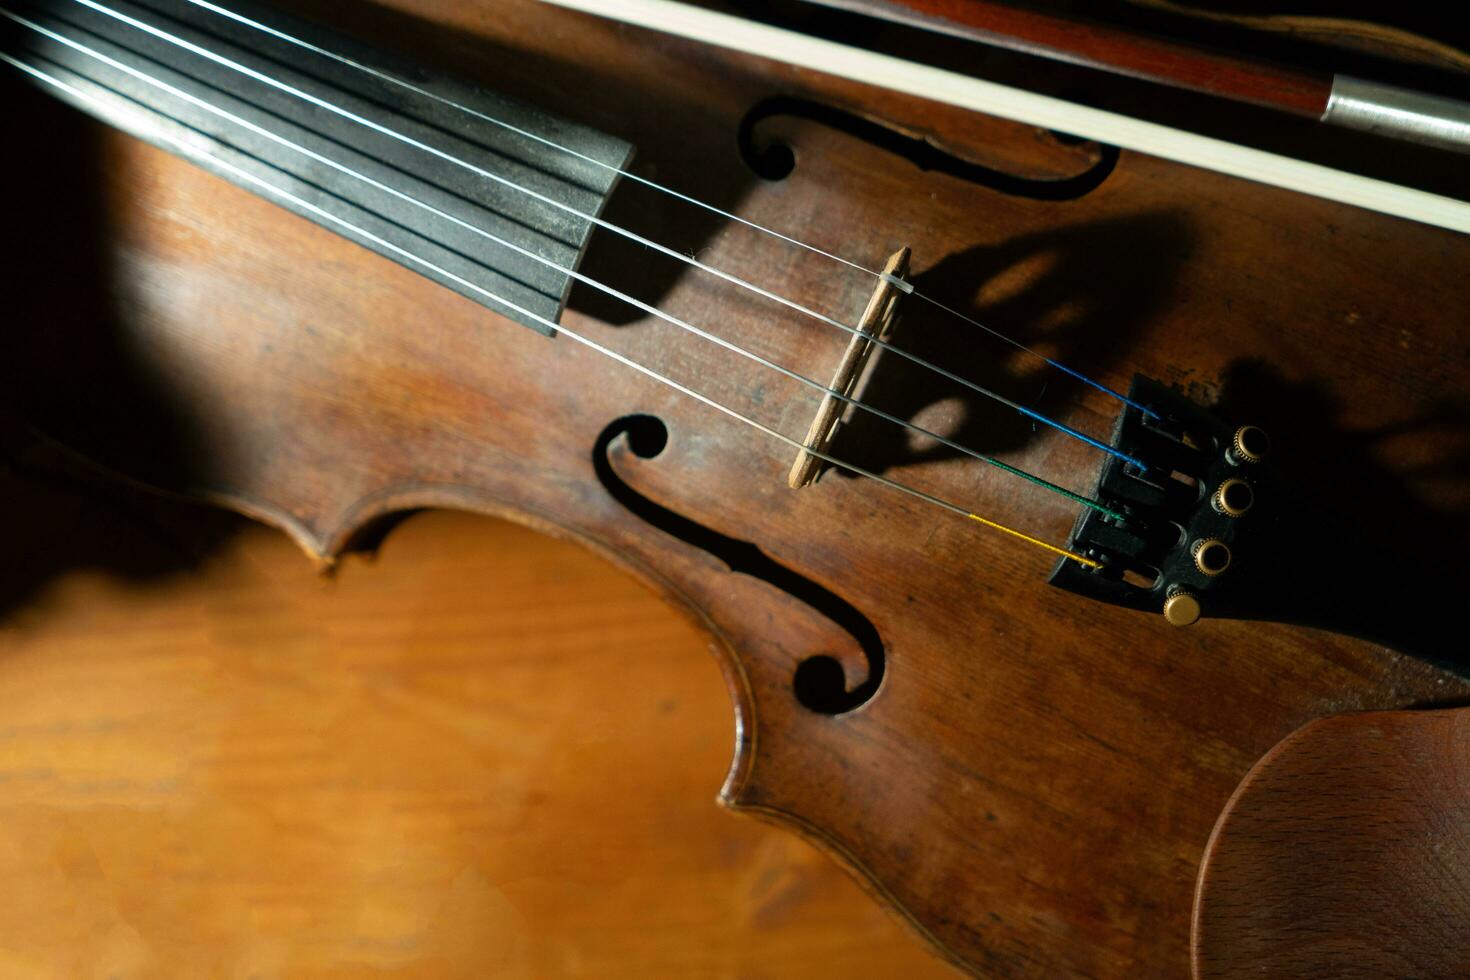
819	683
774	161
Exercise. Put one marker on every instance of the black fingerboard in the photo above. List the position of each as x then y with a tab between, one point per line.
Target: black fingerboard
405	164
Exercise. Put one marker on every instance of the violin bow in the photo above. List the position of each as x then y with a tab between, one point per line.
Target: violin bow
707	26
1336	99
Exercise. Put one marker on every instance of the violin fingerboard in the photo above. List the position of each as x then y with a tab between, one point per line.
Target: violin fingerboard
427	172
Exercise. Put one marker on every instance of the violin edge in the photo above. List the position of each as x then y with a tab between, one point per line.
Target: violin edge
1358	826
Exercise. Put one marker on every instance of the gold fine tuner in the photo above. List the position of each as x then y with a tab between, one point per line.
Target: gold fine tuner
1211	556
1181	608
1233	497
1249	445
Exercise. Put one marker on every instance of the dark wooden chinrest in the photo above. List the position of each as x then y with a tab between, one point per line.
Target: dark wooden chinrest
1344	853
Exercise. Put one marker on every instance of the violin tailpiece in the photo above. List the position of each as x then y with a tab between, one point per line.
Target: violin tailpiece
1207	508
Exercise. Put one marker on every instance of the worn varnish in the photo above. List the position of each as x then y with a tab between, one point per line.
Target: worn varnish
1034	785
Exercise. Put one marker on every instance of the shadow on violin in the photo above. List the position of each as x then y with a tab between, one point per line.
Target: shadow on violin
1393	497
1069	292
74	372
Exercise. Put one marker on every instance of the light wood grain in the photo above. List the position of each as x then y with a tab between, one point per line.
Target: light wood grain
484	753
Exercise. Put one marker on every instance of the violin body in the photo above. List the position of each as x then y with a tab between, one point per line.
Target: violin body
1034	782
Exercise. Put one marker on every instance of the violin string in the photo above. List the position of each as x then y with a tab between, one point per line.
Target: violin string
601	223
656	186
549	263
183	148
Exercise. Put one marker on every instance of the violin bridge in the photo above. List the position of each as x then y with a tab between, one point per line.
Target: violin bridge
877	322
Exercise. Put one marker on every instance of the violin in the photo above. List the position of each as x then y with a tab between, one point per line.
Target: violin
1029	489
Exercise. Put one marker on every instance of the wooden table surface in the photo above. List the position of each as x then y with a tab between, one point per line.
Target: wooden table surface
479	753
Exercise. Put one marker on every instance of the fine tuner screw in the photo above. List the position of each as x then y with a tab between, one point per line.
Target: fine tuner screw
1233	497
1181	608
1250	444
1211	556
